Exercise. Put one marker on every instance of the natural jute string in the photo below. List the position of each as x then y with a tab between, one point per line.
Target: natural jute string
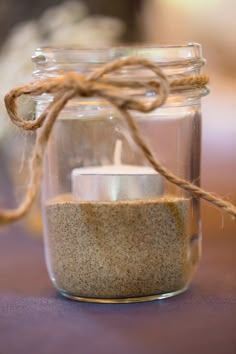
100	84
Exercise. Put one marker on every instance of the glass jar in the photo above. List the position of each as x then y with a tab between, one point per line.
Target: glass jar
114	229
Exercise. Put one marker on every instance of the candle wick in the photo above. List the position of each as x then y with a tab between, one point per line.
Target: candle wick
117	152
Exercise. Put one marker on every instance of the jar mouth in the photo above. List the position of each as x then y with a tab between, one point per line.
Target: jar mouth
161	54
176	61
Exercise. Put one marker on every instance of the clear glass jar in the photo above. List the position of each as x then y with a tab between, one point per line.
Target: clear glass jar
115	230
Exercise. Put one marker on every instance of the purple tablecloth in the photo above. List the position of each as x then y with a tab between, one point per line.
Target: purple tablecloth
35	319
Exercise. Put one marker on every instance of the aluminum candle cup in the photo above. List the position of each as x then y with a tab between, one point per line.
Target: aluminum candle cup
116	182
114	229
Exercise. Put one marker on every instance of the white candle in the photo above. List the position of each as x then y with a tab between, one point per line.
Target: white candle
111	170
116	182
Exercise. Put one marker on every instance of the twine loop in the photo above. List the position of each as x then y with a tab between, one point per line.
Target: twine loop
101	83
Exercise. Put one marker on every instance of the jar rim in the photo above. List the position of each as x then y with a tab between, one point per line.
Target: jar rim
176	61
166	54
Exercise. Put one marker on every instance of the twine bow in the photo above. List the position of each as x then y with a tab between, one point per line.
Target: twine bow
99	84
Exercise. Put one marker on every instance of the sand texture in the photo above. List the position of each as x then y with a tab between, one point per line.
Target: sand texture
118	249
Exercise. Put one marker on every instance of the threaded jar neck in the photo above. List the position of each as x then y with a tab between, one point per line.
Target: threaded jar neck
177	61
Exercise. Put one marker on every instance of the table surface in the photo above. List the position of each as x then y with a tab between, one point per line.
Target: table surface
35	319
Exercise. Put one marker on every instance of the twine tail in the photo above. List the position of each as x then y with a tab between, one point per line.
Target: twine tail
36	164
169	176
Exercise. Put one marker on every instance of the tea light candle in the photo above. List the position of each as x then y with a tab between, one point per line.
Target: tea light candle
115	182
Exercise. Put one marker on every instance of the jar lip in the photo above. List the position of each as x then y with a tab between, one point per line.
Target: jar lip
158	53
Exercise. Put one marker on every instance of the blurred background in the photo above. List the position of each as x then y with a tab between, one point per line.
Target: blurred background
25	25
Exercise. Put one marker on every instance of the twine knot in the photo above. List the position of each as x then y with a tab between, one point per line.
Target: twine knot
78	83
101	84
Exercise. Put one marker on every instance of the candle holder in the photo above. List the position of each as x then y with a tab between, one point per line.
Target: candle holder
114	229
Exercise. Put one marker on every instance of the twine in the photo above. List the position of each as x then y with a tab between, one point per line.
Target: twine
99	84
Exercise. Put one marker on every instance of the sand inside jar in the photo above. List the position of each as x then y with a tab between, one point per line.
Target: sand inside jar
118	249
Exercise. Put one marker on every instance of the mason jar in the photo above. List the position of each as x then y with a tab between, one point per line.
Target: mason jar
114	229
